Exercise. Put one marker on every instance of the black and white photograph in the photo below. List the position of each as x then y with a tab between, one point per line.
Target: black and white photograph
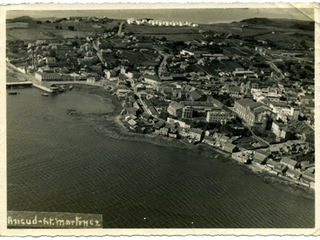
160	117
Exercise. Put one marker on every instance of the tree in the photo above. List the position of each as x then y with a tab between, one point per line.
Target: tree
48	21
75	44
163	39
71	28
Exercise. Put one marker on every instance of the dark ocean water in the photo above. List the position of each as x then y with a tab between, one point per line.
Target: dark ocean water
59	164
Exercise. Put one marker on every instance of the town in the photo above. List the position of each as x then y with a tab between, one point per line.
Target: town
240	93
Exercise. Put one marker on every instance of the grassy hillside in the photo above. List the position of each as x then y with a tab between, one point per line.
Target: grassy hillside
281	23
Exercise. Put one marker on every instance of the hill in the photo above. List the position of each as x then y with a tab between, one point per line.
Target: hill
281	23
25	19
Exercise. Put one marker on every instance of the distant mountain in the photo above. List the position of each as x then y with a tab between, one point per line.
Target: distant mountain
281	23
25	19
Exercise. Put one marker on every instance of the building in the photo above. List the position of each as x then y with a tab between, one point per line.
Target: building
229	147
281	130
196	134
187	112
175	109
292	164
151	79
45	76
209	140
276	166
254	113
220	116
293	174
260	156
177	122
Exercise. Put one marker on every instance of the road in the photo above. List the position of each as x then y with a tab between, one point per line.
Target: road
120	29
163	63
272	65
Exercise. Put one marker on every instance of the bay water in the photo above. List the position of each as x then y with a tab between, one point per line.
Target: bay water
58	163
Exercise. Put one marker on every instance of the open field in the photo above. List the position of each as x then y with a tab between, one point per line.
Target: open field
35	34
149	29
17	25
136	57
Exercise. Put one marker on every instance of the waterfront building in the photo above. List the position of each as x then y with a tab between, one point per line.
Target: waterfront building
293	174
196	134
229	147
209	140
292	164
276	166
45	76
260	156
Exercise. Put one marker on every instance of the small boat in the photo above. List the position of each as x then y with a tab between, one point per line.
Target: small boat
70	87
45	94
12	92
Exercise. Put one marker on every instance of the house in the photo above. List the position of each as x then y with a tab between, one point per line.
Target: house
293	174
132	122
229	147
196	95
151	79
305	165
177	122
164	131
281	130
51	61
152	111
209	140
196	134
276	166
175	109
307	177
224	139
146	116
159	124
209	133
292	164
260	156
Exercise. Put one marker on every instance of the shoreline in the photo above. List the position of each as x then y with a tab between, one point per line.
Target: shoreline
110	125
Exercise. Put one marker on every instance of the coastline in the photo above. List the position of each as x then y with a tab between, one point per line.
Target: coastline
111	126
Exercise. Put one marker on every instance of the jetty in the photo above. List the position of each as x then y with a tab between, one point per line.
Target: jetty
9	84
44	88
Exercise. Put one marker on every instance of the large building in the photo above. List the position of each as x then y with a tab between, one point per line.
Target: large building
45	76
220	116
254	113
187	112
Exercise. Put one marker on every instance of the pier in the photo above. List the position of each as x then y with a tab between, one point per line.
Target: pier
44	88
9	84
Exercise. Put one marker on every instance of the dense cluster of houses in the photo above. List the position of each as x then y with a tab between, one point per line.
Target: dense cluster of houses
160	23
280	159
166	102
